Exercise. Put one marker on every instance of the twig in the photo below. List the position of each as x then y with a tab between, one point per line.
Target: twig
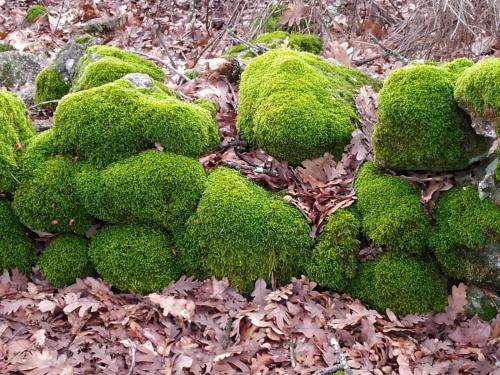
329	370
192	8
342	359
255	49
291	349
388	50
132	357
44	103
233	94
163	62
164	46
369	59
60	15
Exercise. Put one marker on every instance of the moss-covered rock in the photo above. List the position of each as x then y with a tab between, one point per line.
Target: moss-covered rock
37	150
15	247
104	64
466	240
478	90
480	304
155	188
402	283
297	106
242	232
35	12
49	202
117	120
392	214
50	85
6	47
420	126
133	258
456	67
333	262
15	129
65	260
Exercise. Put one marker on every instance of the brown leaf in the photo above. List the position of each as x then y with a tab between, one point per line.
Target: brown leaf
294	13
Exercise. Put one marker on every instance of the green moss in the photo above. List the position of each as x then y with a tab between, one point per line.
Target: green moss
6	47
133	258
49	85
192	74
333	261
155	188
242	232
15	129
15	248
104	64
392	214
465	227
297	106
82	39
456	67
478	90
34	13
65	260
48	202
420	126
404	284
480	304
38	149
117	120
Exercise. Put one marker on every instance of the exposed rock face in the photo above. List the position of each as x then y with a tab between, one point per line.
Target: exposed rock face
18	71
139	80
67	59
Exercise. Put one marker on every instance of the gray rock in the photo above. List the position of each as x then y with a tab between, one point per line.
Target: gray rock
489	186
483	127
18	69
481	304
484	266
139	80
102	24
67	60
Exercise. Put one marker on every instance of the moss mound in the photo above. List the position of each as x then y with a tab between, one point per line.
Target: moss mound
15	128
4	47
49	85
155	188
242	232
297	106
38	149
420	126
456	67
478	92
117	120
65	260
104	64
467	229
48	201
35	12
133	258
333	261
402	283
15	248
392	214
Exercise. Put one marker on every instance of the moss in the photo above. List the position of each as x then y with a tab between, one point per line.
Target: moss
48	202
15	129
49	85
478	90
155	188
4	47
392	214
82	39
480	304
333	262
34	13
402	283
117	120
133	258
420	126
297	106
103	64
15	248
192	74
38	149
465	227
456	67
242	232
65	260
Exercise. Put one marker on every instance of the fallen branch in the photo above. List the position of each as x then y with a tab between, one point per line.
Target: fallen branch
256	49
45	103
396	54
160	61
132	357
369	59
329	370
163	45
343	361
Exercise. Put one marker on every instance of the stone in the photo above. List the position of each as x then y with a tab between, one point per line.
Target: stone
18	71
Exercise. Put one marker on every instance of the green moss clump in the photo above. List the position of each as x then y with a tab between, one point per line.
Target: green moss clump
478	91
133	258
392	214
420	126
466	227
297	106
48	201
402	283
117	120
35	12
6	47
156	188
38	149
15	128
242	232
49	85
104	64
333	262
15	248
65	260
82	39
456	67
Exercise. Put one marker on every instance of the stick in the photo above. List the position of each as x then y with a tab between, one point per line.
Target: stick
343	360
291	349
132	359
44	103
168	65
389	51
329	370
255	49
164	46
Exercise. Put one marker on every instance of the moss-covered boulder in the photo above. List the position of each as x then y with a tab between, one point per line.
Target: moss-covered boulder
48	201
297	106
133	258
15	129
478	91
36	151
155	188
15	247
64	260
117	120
402	283
420	126
333	261
392	214
456	67
242	232
50	85
466	240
